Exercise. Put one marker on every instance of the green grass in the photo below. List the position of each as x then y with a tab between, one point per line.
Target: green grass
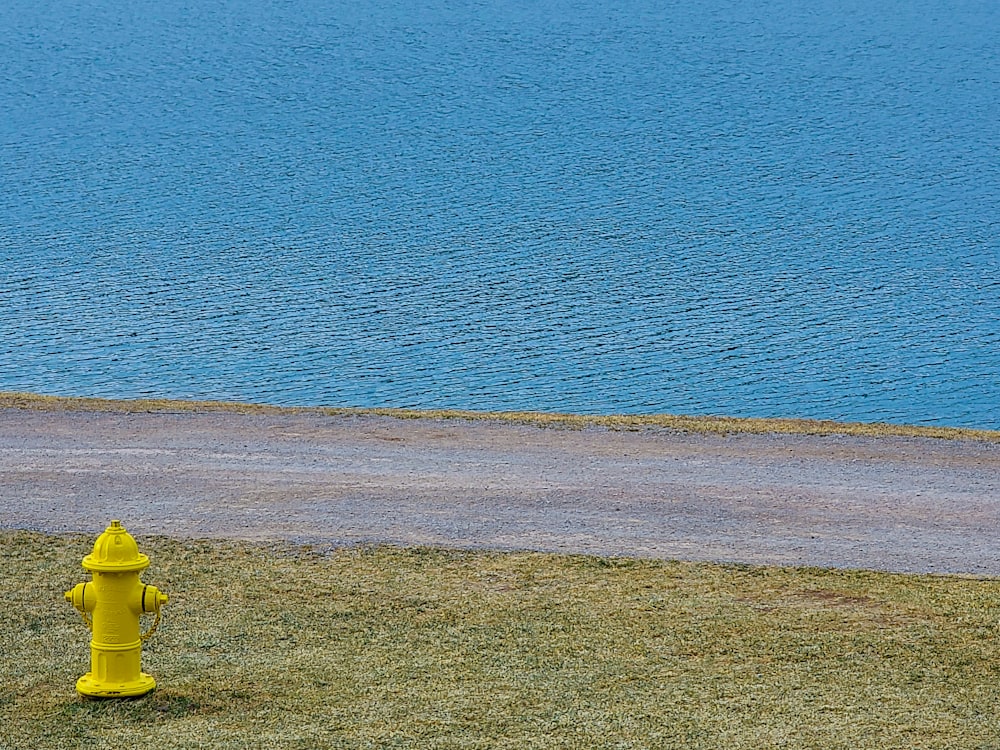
275	646
684	423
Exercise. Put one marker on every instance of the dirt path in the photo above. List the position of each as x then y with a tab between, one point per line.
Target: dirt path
904	504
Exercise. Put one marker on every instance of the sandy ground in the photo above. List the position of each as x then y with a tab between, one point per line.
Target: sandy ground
900	504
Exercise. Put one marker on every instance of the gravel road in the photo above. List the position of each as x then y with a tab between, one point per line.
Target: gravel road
899	504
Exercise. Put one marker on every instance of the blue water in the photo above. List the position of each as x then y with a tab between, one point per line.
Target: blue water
775	208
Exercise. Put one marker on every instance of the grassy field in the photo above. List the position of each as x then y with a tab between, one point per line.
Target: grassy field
287	647
700	424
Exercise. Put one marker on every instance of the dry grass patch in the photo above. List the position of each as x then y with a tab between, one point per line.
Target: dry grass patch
697	424
286	647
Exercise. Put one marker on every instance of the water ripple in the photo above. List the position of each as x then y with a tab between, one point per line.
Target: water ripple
746	210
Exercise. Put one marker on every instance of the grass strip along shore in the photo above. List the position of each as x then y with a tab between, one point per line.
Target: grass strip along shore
684	423
282	646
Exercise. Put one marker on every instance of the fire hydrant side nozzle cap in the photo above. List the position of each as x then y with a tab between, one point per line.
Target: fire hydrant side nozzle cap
115	551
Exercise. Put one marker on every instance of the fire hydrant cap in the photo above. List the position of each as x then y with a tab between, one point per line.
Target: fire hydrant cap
115	551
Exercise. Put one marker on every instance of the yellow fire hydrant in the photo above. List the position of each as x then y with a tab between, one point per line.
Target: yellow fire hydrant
114	600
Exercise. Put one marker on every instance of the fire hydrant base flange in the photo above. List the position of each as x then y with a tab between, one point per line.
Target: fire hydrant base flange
93	688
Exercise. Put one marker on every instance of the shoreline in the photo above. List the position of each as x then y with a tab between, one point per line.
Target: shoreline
707	424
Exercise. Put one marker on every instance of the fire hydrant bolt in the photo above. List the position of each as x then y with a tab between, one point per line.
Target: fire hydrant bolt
111	605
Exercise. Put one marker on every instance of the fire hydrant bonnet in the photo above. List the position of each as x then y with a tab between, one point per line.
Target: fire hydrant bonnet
115	551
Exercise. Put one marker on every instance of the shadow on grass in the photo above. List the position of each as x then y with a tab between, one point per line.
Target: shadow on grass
162	703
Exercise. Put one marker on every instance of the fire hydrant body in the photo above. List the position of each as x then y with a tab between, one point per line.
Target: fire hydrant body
114	600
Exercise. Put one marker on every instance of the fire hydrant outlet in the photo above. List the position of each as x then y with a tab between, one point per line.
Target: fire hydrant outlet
111	605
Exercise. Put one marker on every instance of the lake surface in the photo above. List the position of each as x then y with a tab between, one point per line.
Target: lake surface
780	208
